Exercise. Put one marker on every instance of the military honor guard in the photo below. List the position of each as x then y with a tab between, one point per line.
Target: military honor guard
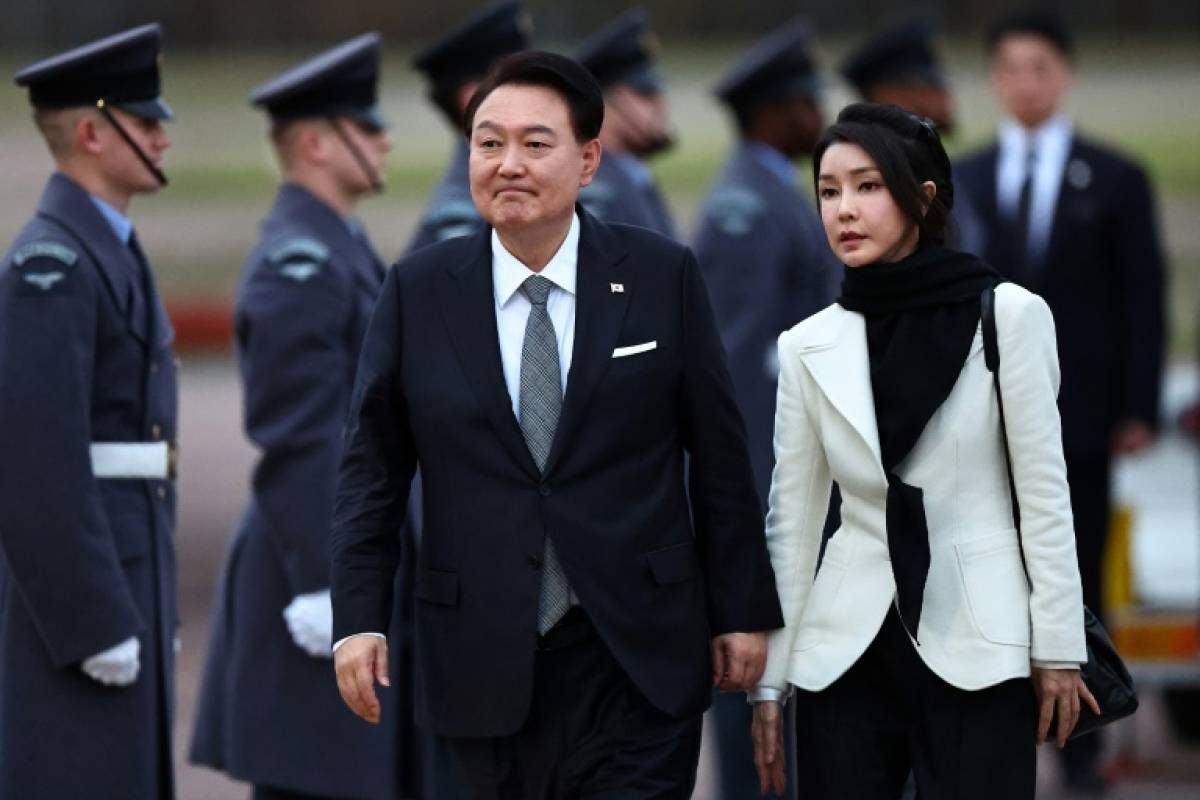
900	66
622	57
453	67
88	612
1074	222
269	710
767	265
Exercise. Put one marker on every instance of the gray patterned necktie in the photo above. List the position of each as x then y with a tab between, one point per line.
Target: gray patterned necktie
541	402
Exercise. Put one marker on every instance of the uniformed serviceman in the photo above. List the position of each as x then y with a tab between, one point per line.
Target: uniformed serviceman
768	266
901	66
87	423
269	712
453	66
622	56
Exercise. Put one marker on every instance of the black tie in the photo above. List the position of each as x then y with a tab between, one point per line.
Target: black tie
1020	240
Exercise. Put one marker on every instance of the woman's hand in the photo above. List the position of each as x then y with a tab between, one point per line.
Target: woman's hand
769	760
1059	690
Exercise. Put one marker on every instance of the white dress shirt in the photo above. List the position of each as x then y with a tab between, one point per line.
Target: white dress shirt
512	313
1051	146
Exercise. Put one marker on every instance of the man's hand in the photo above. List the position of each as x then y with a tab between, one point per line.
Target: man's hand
769	760
116	666
359	662
1059	690
738	660
309	618
1131	437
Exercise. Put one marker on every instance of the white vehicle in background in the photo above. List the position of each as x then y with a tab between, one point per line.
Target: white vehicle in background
1152	580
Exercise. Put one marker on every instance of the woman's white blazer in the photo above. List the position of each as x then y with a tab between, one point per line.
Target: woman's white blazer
985	615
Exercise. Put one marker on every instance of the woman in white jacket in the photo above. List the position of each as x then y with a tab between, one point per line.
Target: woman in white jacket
911	646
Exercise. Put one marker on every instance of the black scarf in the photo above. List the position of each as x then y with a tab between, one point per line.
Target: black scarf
922	313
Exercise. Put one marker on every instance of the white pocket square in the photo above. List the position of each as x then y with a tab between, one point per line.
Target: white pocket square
634	349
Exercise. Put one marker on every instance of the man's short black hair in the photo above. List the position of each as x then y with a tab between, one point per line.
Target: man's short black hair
1032	23
567	78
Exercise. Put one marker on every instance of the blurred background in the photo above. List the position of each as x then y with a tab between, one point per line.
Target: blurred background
1138	89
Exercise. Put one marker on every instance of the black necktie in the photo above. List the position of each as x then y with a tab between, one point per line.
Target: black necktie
1020	240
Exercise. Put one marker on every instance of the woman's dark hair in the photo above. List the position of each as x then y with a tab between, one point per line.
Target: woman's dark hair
567	78
907	150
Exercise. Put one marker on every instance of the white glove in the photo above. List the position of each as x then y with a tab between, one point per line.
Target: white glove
309	618
116	666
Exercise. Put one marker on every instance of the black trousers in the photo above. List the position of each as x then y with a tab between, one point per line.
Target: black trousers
1090	480
890	715
590	733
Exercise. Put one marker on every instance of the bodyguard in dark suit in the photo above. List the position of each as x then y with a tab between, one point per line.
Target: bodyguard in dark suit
572	614
766	261
268	712
900	67
453	66
88	609
1075	222
621	56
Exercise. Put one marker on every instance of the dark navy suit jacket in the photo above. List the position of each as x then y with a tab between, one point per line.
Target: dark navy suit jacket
1102	275
658	576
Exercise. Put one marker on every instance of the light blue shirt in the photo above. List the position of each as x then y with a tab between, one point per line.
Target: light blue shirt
774	162
632	166
121	226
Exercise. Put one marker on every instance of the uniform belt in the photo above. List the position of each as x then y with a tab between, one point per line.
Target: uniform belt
136	460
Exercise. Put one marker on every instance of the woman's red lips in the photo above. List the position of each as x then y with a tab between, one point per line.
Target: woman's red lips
850	236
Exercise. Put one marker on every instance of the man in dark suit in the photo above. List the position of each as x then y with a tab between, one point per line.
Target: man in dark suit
763	252
453	67
1075	222
267	712
88	613
621	56
549	374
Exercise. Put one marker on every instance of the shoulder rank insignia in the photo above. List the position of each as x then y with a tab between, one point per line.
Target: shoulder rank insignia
735	210
300	258
43	280
59	252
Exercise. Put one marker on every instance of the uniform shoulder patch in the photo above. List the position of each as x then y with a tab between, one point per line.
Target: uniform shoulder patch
299	258
735	210
45	249
452	219
597	196
43	268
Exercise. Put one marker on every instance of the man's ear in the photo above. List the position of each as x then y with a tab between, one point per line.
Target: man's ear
311	143
592	152
86	135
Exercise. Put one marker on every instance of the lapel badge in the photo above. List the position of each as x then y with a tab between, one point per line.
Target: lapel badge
617	288
1079	174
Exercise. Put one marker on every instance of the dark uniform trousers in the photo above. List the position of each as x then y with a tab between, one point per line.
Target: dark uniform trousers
590	733
889	714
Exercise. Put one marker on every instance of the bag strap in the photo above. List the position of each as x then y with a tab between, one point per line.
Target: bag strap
991	357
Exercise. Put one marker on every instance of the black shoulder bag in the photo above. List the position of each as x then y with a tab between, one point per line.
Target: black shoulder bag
1104	673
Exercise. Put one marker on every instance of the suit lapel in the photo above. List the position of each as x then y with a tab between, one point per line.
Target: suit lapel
468	301
841	367
69	205
1069	193
599	312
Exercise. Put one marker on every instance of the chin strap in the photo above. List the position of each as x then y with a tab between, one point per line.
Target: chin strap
372	176
112	119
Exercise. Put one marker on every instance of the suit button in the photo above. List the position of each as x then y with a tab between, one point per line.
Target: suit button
162	493
544	490
155	432
534	562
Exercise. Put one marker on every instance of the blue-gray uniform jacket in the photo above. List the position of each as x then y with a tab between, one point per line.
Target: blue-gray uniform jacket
85	562
768	266
269	713
451	210
623	190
